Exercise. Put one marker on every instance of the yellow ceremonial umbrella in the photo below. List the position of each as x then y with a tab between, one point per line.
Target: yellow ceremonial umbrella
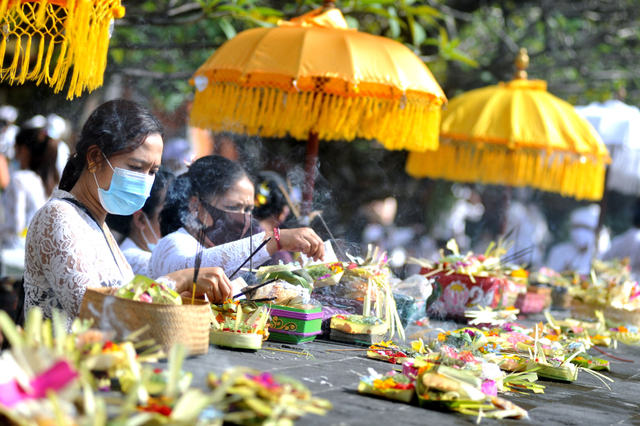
516	134
314	78
61	34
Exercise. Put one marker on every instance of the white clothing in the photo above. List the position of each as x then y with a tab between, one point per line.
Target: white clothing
530	230
626	245
567	257
63	157
138	259
66	253
24	196
178	250
8	140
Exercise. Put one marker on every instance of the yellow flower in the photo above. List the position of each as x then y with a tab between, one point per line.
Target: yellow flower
418	346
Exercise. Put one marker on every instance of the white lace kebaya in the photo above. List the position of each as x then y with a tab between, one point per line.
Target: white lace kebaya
178	250
66	253
138	258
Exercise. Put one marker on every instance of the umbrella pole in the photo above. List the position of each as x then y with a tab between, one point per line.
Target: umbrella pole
310	163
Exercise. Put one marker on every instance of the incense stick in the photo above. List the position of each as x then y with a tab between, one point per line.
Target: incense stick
264	243
332	237
251	289
268	299
250	238
198	262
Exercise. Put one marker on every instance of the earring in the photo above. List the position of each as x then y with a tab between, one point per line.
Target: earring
93	168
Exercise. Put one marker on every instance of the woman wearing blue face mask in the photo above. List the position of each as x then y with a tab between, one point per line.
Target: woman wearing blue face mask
69	247
142	229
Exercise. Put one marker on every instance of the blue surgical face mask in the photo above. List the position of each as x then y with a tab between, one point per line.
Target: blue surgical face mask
150	245
127	193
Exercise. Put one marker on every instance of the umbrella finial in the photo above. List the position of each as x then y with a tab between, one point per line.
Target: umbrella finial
522	63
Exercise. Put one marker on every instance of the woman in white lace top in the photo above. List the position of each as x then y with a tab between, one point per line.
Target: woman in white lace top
142	229
69	247
215	197
29	187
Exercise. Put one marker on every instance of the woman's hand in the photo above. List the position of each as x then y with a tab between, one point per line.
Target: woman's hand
211	281
302	240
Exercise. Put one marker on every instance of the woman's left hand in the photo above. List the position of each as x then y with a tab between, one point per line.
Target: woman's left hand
301	240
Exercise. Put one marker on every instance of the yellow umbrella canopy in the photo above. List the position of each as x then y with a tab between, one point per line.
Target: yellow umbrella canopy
42	40
313	75
516	134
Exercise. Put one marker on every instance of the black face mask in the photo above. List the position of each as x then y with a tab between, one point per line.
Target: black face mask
227	226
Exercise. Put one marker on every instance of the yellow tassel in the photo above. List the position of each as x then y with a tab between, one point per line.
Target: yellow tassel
563	173
3	9
81	32
272	112
42	9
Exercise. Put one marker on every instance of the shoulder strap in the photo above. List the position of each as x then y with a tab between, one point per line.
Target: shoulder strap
86	210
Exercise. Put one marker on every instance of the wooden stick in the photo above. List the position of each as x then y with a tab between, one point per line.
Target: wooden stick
284	350
609	355
251	289
361	349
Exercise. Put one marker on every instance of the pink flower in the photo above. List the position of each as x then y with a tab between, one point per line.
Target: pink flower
144	297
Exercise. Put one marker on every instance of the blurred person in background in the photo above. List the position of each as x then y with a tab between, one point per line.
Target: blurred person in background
142	229
56	128
32	185
529	226
628	245
578	253
8	130
176	155
210	206
272	208
452	223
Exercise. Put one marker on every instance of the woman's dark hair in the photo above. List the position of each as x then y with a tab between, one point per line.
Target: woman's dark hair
115	127
43	155
207	178
122	224
270	201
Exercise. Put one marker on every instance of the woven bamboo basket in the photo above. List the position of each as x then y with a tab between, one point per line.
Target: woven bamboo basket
581	310
169	324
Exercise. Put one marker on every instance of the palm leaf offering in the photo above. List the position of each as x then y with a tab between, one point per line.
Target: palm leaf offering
264	398
143	289
239	324
56	377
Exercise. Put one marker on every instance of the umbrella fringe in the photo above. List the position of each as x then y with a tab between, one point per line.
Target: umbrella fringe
410	123
571	175
81	37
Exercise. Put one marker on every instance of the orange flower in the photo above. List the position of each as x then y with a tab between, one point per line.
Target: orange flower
623	329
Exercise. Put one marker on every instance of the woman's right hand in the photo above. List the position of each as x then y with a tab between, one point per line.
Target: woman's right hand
211	281
301	240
